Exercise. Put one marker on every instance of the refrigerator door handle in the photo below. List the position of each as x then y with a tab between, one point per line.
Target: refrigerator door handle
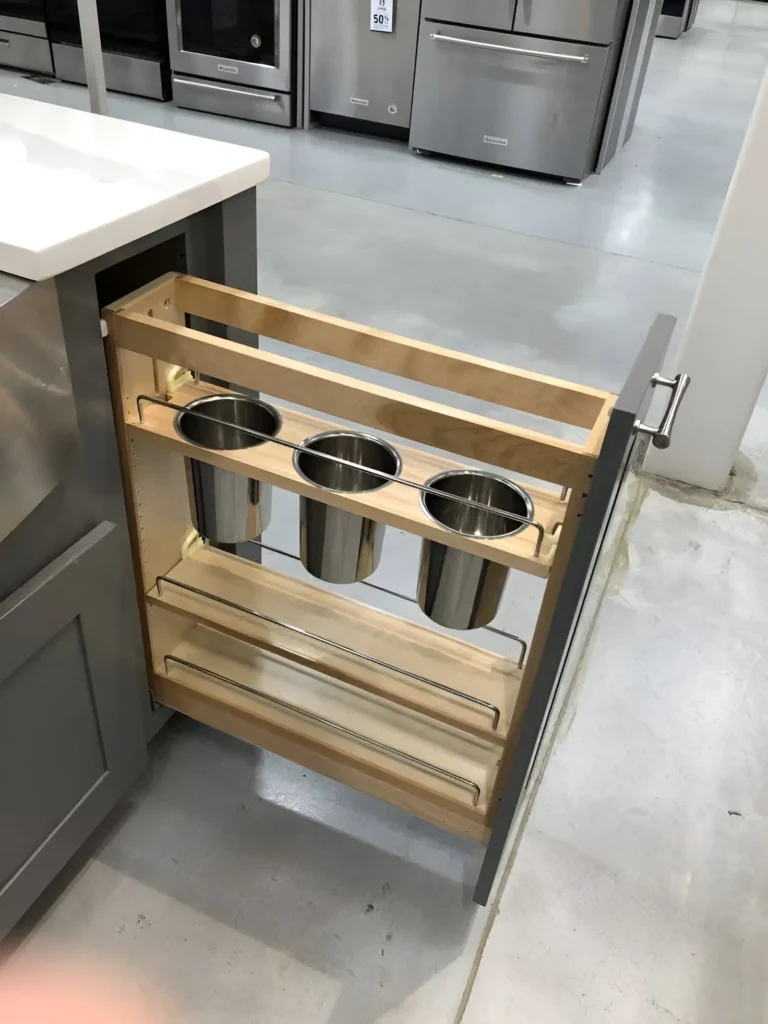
569	58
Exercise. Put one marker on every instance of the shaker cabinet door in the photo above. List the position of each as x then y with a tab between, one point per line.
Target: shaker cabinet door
72	734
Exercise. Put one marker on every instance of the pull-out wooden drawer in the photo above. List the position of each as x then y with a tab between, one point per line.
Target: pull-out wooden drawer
422	719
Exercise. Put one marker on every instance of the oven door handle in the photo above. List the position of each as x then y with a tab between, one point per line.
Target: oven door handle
253	93
569	58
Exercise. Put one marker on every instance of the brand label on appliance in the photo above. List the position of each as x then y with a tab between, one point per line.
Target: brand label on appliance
495	140
382	15
359	101
230	69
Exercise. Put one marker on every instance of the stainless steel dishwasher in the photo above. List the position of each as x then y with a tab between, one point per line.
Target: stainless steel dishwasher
363	70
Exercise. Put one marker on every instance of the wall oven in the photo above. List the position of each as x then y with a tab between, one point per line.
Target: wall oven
134	41
23	37
234	57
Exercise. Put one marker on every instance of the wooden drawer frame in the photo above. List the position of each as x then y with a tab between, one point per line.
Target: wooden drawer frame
419	740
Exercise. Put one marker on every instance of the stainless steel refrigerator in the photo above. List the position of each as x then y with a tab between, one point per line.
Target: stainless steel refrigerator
538	85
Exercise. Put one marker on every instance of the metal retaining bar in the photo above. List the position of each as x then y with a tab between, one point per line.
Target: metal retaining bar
404	597
336	646
378	473
360	737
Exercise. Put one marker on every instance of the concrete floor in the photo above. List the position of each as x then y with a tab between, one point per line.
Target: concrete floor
638	893
248	889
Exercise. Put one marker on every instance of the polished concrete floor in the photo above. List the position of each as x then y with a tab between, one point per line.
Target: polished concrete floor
248	889
638	893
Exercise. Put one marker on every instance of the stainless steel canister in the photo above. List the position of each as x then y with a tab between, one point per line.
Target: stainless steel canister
227	508
456	589
338	546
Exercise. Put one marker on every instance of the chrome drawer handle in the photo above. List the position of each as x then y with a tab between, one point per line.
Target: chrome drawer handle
662	435
569	58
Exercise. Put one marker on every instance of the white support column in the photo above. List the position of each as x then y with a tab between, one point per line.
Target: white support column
92	55
725	348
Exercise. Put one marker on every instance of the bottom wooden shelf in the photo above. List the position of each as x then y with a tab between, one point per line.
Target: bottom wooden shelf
446	679
434	771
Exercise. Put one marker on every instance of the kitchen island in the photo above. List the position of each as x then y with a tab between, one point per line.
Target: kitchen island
93	208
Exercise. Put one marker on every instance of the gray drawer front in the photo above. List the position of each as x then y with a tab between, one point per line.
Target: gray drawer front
593	22
359	73
29	53
233	101
536	113
483	13
72	724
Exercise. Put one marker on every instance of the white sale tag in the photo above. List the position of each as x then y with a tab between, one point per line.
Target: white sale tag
382	19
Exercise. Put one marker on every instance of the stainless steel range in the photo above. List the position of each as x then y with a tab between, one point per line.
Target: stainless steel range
133	39
234	57
23	36
677	16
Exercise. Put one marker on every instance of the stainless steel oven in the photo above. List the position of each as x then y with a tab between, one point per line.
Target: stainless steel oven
23	37
234	57
677	16
134	44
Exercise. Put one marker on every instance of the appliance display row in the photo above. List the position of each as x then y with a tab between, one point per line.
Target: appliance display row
534	85
226	56
44	36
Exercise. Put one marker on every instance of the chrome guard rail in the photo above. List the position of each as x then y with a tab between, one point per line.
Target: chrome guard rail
336	646
404	597
328	724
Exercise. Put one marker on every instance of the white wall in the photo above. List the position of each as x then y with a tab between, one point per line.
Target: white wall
725	348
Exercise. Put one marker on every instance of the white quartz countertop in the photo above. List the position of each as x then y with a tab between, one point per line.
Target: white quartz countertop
75	185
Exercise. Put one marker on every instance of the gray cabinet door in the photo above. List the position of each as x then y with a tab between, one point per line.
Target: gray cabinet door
622	453
72	732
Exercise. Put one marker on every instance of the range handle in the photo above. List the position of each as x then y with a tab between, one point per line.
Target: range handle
662	435
254	94
567	57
